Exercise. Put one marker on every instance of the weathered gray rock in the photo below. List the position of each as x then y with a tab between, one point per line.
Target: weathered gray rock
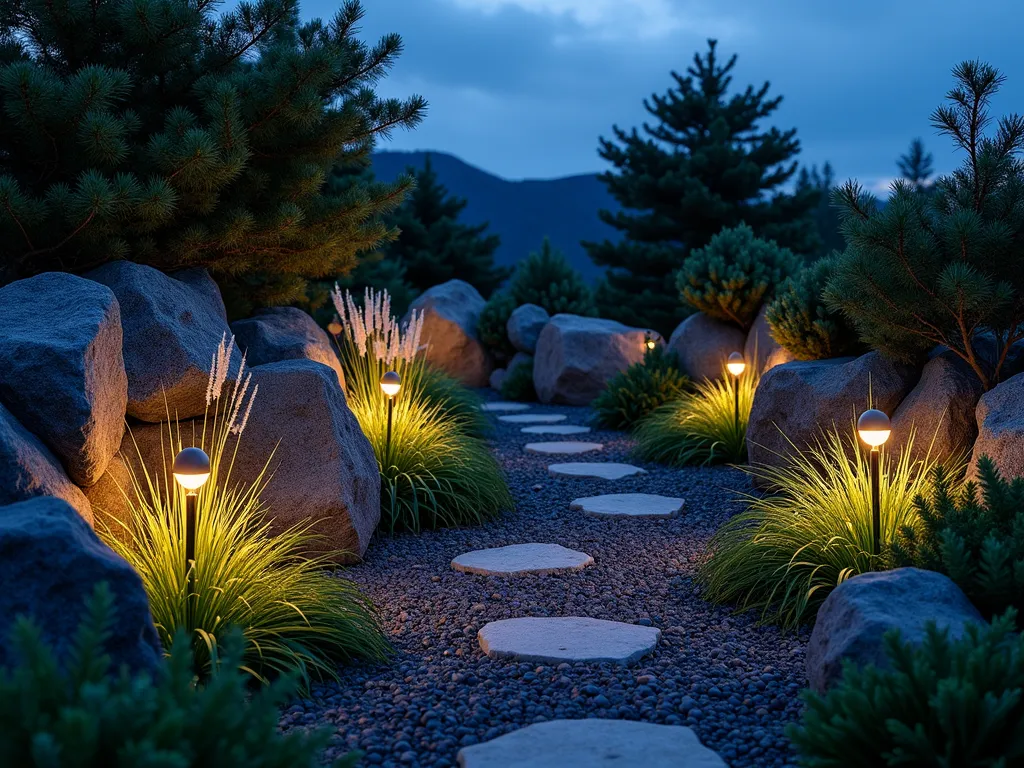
939	411
497	378
576	356
521	559
703	344
855	617
172	326
324	469
524	326
562	447
555	429
629	505
571	639
799	400
596	470
62	368
28	469
285	333
50	564
762	348
1000	421
451	312
592	743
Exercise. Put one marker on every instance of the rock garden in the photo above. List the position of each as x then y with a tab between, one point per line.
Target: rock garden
254	512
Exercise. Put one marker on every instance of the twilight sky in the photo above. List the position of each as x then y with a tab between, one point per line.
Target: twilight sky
523	88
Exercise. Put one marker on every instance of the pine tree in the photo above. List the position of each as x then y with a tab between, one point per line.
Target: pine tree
826	216
169	133
704	165
943	268
916	166
434	247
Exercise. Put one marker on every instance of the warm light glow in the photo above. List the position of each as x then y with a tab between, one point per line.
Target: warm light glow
873	427
191	468
390	382
334	327
736	364
649	342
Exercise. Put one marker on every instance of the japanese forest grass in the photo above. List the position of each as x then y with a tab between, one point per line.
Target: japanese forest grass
434	472
296	616
812	531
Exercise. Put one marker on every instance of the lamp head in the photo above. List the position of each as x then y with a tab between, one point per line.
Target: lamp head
873	427
334	327
191	468
736	364
390	382
649	342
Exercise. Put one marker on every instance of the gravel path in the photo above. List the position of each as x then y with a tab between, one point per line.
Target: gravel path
733	682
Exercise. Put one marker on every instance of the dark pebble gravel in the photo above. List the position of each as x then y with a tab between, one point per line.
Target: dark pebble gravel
734	682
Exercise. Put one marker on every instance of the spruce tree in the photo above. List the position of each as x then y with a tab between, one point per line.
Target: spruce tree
434	247
706	163
916	166
943	268
172	134
826	216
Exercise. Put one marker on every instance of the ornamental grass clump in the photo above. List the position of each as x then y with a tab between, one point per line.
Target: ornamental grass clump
294	614
637	391
434	471
954	703
700	428
76	711
790	548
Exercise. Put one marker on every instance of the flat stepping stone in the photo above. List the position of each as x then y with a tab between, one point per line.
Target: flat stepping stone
543	640
556	429
563	446
534	418
593	743
504	407
594	469
520	559
629	505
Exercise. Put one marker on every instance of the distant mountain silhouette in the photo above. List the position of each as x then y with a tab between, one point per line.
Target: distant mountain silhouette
522	213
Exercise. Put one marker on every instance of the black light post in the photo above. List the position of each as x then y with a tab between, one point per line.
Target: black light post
736	365
874	428
390	383
191	469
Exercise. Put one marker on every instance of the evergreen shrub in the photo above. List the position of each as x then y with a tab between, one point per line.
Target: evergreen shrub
733	275
87	715
640	389
518	383
492	326
546	278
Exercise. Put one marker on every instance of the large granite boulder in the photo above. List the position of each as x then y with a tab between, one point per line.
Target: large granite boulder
853	619
939	411
576	356
761	348
524	326
172	327
1000	420
796	402
451	312
285	333
323	468
63	372
28	469
703	344
50	564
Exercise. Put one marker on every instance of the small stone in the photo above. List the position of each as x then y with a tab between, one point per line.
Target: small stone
520	559
502	406
556	429
534	418
563	447
597	470
628	505
570	638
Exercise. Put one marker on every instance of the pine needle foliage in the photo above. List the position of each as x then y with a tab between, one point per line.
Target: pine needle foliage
973	534
700	428
546	278
636	392
518	383
88	715
733	275
174	134
492	327
434	472
948	702
295	615
802	322
785	553
705	160
943	268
